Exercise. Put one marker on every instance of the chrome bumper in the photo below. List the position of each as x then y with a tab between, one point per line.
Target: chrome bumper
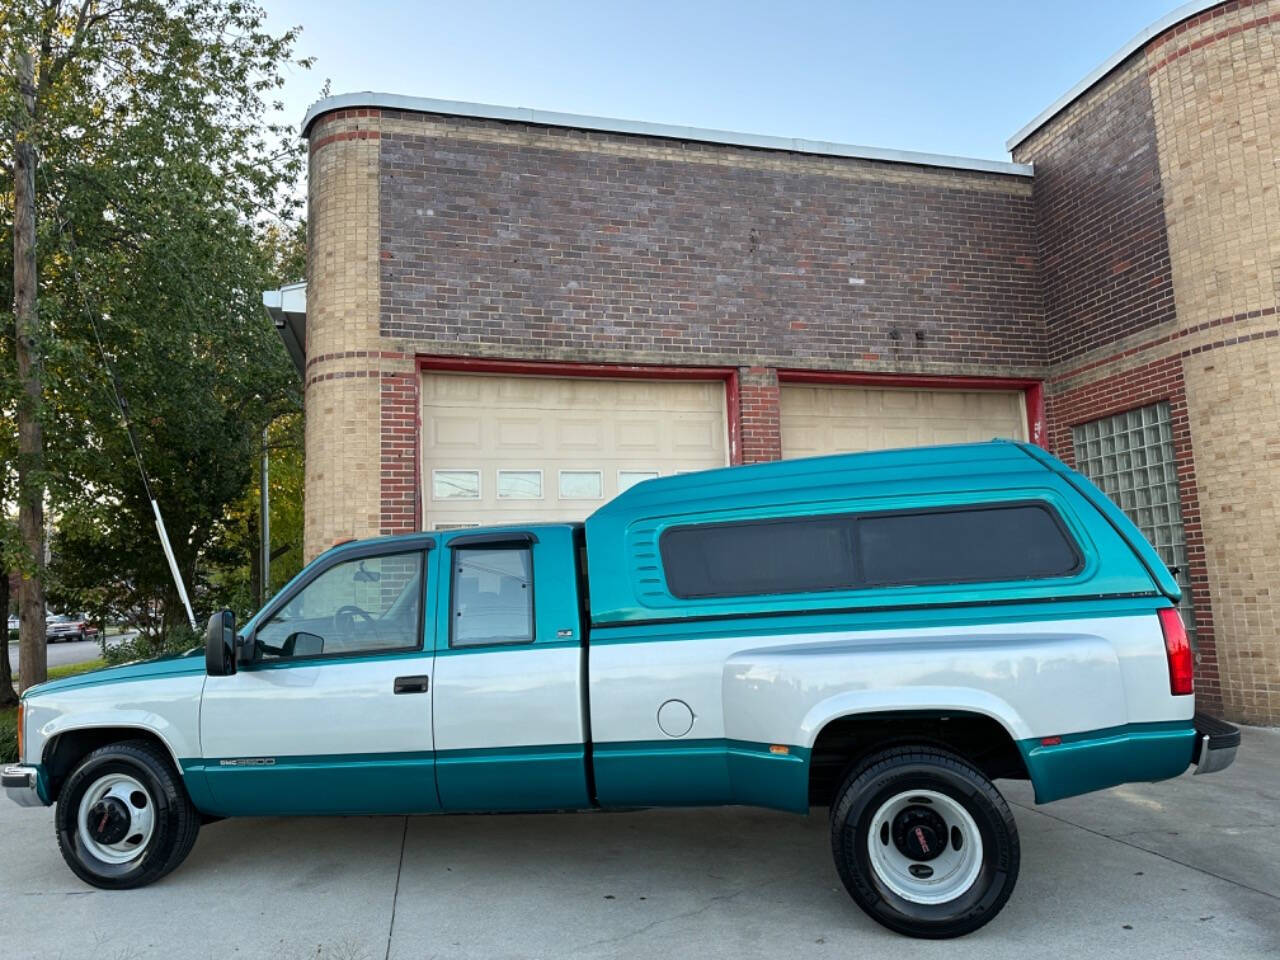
20	783
1216	744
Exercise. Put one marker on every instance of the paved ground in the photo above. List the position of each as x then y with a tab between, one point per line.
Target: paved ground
1189	868
64	653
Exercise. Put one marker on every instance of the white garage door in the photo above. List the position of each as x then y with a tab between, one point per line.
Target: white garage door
510	449
824	419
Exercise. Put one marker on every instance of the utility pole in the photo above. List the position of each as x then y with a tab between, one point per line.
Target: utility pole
264	511
32	654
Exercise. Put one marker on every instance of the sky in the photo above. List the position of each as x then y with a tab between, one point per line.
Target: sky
951	78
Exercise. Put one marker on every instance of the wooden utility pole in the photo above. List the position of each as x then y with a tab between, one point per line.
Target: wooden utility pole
32	652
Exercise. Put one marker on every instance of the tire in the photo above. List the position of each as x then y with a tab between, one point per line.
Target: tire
894	827
129	794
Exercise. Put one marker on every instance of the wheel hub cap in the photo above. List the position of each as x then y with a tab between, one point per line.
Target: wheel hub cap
116	819
924	846
109	820
920	834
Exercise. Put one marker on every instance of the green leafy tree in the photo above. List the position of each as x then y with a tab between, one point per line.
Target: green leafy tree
161	182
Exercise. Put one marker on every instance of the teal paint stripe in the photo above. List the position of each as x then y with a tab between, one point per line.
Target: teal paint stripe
506	754
705	772
401	782
488	779
1098	759
820	622
313	760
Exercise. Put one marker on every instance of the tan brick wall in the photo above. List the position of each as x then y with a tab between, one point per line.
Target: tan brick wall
1215	87
343	484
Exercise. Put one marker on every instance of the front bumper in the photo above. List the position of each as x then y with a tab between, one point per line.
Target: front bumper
22	785
1216	744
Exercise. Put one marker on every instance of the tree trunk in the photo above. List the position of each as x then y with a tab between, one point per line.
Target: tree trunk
32	653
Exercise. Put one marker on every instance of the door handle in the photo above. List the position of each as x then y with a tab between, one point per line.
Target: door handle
415	684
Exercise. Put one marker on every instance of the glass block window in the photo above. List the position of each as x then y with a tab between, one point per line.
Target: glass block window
1130	457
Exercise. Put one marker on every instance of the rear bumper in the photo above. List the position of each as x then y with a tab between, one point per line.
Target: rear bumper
22	784
1216	744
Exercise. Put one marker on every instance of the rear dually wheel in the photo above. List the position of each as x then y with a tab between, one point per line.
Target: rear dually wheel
924	843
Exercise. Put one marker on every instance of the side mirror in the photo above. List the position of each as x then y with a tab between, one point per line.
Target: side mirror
220	644
303	644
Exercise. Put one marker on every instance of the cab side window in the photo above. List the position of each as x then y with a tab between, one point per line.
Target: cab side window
492	596
362	605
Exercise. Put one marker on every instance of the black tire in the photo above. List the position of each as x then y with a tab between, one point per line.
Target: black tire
883	776
176	821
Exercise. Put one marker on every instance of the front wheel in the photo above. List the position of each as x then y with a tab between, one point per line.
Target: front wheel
124	818
924	843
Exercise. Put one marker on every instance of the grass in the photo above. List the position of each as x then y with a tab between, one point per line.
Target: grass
71	669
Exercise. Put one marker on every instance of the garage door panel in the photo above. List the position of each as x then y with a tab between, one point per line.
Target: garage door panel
610	427
459	433
819	420
520	432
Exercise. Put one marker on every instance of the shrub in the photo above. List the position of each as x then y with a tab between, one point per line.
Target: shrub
8	734
178	640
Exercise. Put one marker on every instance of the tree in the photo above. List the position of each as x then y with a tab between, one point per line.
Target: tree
158	177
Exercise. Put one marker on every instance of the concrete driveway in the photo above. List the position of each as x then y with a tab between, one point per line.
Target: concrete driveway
1188	868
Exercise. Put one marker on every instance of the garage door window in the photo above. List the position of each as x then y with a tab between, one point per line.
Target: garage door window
455	484
1003	542
581	485
520	484
629	478
1131	459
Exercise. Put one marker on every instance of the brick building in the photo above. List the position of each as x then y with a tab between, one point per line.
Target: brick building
512	315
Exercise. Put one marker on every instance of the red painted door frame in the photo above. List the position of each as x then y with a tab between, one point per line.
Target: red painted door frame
1033	389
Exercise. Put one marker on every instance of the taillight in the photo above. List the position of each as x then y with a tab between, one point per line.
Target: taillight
1177	647
22	723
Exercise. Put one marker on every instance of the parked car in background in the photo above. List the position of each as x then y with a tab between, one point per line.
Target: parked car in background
68	626
13	622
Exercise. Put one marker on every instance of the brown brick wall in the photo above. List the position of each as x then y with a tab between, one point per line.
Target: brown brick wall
512	240
399	429
1104	256
761	414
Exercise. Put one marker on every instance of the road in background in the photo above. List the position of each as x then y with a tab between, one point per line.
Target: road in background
62	654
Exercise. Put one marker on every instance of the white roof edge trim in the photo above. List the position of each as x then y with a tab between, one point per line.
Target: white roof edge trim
545	118
1171	19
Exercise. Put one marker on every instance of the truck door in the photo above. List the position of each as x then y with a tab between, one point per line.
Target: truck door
509	713
334	715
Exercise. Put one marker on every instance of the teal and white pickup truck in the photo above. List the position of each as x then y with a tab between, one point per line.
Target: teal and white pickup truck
883	634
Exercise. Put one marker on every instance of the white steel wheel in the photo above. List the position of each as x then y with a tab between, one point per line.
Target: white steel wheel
925	847
116	818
